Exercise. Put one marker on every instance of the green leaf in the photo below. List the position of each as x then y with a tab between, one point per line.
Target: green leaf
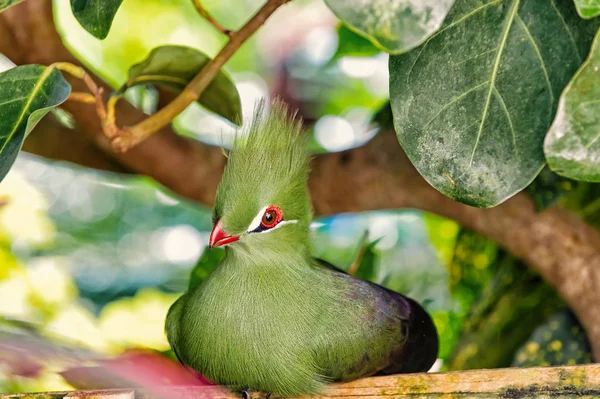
364	266
96	16
175	66
4	4
351	44
27	93
572	146
588	8
394	26
472	105
208	261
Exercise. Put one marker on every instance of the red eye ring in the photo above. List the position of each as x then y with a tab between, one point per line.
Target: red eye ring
272	217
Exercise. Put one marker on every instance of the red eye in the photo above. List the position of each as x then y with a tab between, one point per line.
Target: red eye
271	217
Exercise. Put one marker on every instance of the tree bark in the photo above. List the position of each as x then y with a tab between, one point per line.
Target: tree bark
378	175
581	382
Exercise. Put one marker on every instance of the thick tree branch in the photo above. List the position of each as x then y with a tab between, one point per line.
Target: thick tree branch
52	140
562	248
581	382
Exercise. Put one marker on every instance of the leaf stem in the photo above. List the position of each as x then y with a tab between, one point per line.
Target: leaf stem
129	137
110	109
110	129
202	11
85	98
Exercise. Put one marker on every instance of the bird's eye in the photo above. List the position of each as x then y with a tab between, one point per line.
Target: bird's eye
266	219
271	217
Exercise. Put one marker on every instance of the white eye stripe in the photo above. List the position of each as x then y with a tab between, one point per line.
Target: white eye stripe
255	224
282	223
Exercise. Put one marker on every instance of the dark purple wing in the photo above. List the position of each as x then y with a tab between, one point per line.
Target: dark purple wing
419	349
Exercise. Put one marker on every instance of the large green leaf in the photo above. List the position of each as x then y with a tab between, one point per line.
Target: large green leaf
96	16
572	145
27	93
588	8
175	66
396	26
472	105
4	4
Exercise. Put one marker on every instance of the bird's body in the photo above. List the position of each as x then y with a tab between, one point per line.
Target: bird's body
272	318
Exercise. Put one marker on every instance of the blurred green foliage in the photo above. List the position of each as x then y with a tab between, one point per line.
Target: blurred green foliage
515	302
548	187
558	341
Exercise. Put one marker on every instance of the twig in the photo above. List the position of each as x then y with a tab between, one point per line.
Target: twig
202	11
129	137
110	110
85	98
110	129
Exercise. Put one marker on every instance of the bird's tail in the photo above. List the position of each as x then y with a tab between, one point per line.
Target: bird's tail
420	350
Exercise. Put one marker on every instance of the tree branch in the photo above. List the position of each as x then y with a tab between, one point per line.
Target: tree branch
581	382
378	175
202	11
52	140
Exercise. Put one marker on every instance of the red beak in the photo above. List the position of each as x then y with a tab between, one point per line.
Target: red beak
219	238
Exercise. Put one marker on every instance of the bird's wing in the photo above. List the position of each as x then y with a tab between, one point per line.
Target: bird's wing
328	265
419	351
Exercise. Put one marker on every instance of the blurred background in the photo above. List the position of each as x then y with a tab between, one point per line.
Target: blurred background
91	261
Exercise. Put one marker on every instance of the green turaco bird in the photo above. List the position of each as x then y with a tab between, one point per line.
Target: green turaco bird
272	318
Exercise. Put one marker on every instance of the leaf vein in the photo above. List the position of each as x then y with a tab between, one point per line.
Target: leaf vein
588	145
18	80
415	63
564	23
164	78
486	106
13	100
541	60
475	56
509	118
38	86
451	25
464	18
454	100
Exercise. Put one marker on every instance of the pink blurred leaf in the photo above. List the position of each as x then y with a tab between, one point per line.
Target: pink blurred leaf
134	369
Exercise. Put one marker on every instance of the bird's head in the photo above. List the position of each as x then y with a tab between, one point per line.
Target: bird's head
262	202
